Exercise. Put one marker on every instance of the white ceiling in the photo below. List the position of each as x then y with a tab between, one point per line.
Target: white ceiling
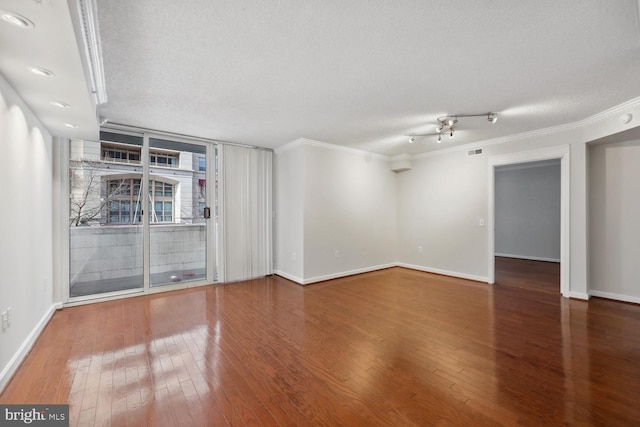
50	44
357	73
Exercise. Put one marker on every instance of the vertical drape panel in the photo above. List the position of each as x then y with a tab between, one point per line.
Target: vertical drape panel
246	206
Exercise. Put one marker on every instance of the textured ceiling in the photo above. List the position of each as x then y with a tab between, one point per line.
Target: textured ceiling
358	73
362	74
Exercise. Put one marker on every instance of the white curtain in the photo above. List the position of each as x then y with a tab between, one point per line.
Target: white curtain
246	223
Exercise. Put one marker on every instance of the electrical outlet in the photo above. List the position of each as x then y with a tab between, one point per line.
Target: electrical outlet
4	321
337	254
481	222
9	316
419	249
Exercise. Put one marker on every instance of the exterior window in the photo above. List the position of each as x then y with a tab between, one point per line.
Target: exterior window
167	160
202	164
118	153
131	154
124	201
123	206
161	201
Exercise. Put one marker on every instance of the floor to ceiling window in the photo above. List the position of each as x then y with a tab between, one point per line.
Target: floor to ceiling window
178	213
138	214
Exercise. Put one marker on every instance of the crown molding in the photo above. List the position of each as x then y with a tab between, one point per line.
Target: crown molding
289	146
400	157
623	108
334	147
313	143
502	140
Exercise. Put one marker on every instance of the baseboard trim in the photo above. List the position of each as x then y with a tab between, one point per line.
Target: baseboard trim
444	272
573	294
17	359
288	276
347	273
614	296
532	258
579	295
317	279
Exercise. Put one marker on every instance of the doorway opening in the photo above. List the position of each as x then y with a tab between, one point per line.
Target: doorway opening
517	248
527	225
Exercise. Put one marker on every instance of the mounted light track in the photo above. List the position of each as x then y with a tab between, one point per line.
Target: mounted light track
446	124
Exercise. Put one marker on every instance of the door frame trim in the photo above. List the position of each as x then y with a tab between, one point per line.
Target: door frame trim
561	152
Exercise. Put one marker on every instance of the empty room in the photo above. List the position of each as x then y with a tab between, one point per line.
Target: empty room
301	213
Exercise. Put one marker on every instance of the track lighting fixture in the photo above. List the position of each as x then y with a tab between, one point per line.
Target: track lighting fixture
446	124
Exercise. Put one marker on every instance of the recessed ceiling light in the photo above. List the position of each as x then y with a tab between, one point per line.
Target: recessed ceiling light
15	19
41	71
72	126
60	104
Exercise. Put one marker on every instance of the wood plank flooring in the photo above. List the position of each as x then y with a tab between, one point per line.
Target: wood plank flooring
526	274
394	347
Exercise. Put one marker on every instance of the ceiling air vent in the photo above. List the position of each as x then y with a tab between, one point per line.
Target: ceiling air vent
475	152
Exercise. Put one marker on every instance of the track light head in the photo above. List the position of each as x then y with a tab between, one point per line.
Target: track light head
411	140
447	124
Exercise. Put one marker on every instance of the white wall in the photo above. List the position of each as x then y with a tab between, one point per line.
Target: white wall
527	210
289	201
614	220
350	207
26	249
332	201
440	204
455	187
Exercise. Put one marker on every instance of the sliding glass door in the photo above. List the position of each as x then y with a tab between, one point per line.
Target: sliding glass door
105	221
139	214
178	211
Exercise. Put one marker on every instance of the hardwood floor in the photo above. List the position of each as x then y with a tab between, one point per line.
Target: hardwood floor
394	347
526	274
